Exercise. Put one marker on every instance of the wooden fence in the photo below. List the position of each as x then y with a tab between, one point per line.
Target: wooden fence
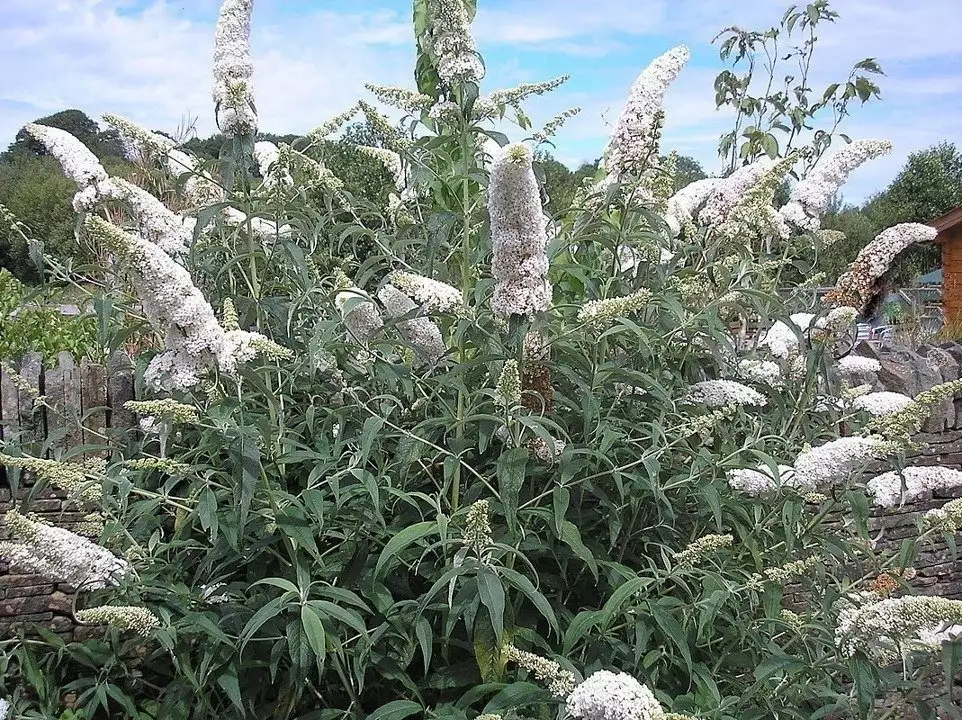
87	394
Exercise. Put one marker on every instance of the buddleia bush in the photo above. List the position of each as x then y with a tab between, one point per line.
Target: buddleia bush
454	458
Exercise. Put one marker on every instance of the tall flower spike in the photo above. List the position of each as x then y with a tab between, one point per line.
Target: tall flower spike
435	295
233	68
423	334
728	193
753	217
832	462
857	283
634	142
451	43
518	235
78	163
61	555
123	617
138	141
359	314
810	197
888	491
401	98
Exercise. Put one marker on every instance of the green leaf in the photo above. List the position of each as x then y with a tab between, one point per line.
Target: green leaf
520	582
511	467
314	631
395	710
404	539
491	592
572	538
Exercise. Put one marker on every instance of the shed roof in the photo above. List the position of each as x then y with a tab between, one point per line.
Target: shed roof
949	226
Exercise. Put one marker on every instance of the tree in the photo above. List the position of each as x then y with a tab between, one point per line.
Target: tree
102	143
687	171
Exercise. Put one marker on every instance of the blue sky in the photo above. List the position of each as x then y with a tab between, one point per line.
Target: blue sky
150	60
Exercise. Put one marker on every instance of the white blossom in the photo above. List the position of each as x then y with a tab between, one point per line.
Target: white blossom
855	286
760	480
518	235
4	708
605	695
434	295
359	315
137	140
854	364
724	393
390	159
262	228
60	555
410	101
832	462
811	196
233	68
781	340
763	371
727	194
267	156
452	44
171	232
919	482
601	314
634	141
683	204
881	403
123	617
78	163
423	334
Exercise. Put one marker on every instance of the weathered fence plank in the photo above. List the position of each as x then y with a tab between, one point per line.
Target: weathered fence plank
93	389
120	388
9	406
31	414
72	401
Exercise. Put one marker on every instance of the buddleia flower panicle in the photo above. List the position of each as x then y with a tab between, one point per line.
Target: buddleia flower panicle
697	549
893	488
138	141
633	146
887	629
329	127
947	518
554	124
601	314
724	393
761	480
792	619
167	409
784	573
434	295
517	95
60	555
391	161
71	477
856	286
836	322
78	163
682	206
559	681
4	709
781	340
605	695
422	332
401	98
518	235
752	216
233	69
900	427
811	196
833	462
164	465
881	403
451	44
359	315
507	392
762	371
850	394
123	617
477	529
857	364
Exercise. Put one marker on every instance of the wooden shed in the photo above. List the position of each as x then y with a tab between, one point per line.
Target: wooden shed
949	228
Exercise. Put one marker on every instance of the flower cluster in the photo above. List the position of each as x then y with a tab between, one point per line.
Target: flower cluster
451	42
605	695
67	476
683	204
233	68
518	236
832	462
752	217
517	95
390	159
123	617
781	340
551	127
601	314
701	547
507	392
858	364
856	285
881	403
78	163
947	518
171	232
724	393
836	322
477	528
728	193
359	314
634	142
892	488
410	101
60	555
167	409
422	332
899	427
811	196
434	295
193	338
560	682
762	371
886	629
138	141
784	573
